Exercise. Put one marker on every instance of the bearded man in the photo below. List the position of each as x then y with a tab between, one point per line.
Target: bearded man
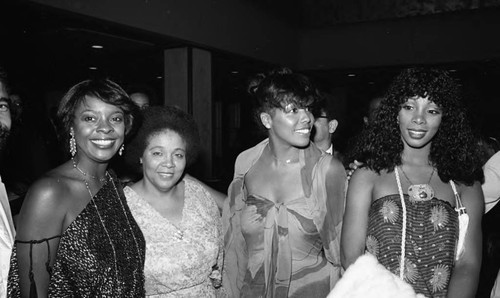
7	232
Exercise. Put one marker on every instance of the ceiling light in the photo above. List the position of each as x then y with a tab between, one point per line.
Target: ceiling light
159	77
351	75
96	46
235	72
93	68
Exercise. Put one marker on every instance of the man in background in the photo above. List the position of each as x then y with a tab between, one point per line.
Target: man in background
141	99
143	95
7	232
372	106
324	127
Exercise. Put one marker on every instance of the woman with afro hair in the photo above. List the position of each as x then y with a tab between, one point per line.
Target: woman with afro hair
176	213
416	203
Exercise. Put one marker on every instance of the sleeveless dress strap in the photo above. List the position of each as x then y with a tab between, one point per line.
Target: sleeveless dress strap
33	292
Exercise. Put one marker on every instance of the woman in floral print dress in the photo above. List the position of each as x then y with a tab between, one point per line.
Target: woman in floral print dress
420	165
176	213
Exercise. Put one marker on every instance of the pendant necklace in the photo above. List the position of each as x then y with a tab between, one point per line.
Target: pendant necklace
75	165
280	161
420	192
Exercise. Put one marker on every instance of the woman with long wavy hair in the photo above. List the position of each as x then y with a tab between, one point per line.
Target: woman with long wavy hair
416	203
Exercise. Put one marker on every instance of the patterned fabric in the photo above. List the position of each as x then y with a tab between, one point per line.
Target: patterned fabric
294	251
432	234
181	267
85	263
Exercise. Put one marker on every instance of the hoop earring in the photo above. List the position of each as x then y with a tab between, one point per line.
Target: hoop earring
120	152
72	142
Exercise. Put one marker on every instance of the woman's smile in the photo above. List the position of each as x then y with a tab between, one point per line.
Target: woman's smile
304	131
103	143
416	134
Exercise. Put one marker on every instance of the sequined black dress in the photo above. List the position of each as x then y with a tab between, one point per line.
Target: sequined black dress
85	263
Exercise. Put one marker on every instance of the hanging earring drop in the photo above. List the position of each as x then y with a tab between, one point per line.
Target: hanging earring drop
120	152
72	142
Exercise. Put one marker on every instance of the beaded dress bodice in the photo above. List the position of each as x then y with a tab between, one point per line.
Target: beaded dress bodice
87	264
431	238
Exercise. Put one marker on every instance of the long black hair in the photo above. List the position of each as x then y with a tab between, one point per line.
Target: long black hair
454	150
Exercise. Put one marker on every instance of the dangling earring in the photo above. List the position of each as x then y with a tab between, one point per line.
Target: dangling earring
120	152
72	142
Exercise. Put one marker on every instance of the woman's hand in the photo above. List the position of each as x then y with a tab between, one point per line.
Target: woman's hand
216	278
352	167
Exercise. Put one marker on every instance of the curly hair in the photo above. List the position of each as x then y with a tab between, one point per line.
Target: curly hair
159	119
454	151
281	87
103	89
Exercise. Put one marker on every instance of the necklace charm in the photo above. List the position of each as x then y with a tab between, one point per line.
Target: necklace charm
420	192
286	161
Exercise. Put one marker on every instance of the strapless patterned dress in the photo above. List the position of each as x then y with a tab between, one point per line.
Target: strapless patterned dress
431	238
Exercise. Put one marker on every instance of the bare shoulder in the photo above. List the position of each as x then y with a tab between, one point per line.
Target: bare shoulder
45	207
364	175
46	196
362	185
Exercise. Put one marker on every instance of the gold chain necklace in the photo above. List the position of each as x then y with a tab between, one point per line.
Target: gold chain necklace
75	165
